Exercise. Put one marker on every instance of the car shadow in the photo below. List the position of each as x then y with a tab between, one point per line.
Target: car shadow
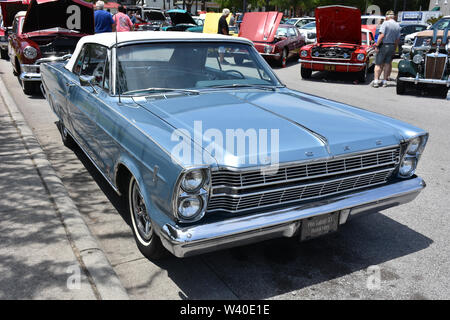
339	78
424	92
275	267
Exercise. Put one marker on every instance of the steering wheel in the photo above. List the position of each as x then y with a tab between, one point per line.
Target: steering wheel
235	71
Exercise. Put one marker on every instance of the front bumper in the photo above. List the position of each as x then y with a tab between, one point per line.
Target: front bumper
30	72
427	81
242	230
340	66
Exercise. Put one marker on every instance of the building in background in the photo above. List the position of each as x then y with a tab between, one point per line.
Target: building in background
440	5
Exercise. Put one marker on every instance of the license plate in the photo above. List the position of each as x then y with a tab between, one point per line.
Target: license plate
329	68
320	225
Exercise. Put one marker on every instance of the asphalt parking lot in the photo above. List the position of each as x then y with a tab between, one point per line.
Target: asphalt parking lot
408	245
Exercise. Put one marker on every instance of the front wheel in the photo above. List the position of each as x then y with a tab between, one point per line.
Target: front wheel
443	92
4	54
401	86
305	73
362	75
146	239
284	56
29	87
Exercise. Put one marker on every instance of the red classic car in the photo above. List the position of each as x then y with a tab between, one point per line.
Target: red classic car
341	45
8	9
274	41
48	31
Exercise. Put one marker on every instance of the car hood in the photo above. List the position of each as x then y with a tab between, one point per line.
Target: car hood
338	24
75	15
307	127
9	8
180	17
211	24
260	26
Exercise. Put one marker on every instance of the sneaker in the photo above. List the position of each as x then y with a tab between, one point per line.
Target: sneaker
375	84
385	84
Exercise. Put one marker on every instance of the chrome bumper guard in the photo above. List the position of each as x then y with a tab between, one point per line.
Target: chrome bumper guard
332	63
188	241
428	81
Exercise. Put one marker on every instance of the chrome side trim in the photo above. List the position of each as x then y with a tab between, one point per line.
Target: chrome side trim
191	240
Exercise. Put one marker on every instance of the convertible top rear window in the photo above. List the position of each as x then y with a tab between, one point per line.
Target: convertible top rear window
190	65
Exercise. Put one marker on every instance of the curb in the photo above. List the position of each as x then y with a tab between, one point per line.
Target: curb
102	277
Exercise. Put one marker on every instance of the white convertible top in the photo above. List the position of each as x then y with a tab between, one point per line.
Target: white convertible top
108	39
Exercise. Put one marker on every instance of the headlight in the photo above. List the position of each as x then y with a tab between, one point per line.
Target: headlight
361	57
304	53
267	49
192	180
30	52
407	167
190	198
412	155
413	146
189	208
418	58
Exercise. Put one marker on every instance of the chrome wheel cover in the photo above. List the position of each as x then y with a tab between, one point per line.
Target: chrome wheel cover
141	220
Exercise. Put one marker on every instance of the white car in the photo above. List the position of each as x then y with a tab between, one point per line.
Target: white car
309	32
300	22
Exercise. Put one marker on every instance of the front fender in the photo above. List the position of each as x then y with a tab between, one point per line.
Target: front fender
407	67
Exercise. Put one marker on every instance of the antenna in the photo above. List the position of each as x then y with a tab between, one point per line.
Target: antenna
117	65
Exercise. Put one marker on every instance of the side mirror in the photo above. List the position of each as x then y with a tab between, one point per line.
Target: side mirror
88	81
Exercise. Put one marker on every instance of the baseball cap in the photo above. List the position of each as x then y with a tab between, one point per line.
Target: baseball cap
390	13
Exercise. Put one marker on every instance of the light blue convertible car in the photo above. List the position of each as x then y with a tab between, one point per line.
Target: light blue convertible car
210	154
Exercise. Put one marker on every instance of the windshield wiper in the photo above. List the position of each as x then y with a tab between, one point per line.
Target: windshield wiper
239	85
154	90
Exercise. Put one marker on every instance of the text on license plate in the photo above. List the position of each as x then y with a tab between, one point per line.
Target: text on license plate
329	68
316	226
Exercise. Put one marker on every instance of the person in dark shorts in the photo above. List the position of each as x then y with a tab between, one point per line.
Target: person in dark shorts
385	47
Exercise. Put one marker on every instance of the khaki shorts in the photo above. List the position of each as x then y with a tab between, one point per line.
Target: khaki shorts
385	54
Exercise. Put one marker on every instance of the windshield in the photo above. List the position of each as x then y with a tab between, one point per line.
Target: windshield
291	21
310	25
427	41
442	24
191	65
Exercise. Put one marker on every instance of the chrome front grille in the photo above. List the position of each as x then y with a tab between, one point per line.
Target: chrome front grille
332	53
435	66
236	191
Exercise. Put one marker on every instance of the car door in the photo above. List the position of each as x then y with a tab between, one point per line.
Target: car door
83	101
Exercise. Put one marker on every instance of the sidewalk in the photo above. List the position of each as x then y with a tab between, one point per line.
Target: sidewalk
46	250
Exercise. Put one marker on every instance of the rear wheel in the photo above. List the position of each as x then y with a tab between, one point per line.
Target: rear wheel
146	239
65	136
305	73
284	56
